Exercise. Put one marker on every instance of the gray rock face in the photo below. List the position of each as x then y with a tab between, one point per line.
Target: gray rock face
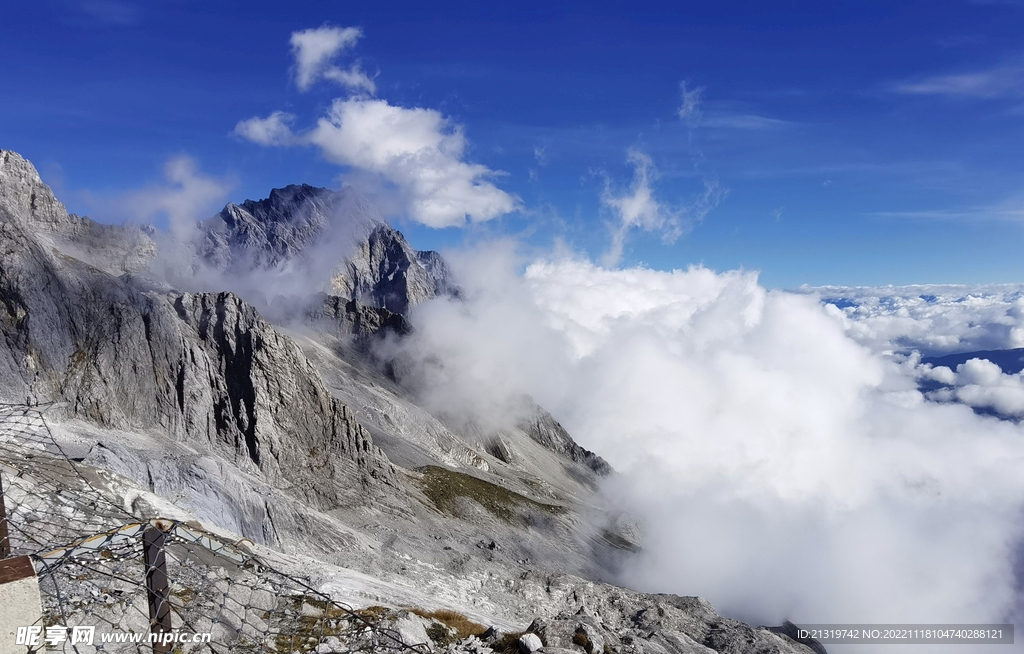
344	316
25	199
203	368
580	616
529	643
543	428
338	234
23	195
386	272
291	222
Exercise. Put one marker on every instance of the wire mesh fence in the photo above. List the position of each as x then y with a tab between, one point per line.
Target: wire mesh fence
113	581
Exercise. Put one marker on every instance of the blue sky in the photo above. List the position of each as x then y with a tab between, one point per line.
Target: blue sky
847	142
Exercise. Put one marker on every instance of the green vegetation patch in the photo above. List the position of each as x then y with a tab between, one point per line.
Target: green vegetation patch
444	486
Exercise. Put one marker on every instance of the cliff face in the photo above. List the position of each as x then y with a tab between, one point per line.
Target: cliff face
543	428
202	368
386	272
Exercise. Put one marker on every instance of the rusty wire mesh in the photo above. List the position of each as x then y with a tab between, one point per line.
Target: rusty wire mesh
108	578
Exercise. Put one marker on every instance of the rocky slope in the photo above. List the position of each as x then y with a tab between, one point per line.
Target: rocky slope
294	438
205	369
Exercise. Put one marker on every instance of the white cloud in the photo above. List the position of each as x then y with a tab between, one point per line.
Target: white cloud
981	384
1000	81
415	154
781	469
540	154
411	161
187	195
315	50
934	319
637	207
1009	209
273	130
690	108
111	12
743	121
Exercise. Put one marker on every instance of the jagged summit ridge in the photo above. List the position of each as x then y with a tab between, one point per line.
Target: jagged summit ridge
342	231
23	195
291	222
26	200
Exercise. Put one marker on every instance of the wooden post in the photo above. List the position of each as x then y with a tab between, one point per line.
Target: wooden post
157	588
5	539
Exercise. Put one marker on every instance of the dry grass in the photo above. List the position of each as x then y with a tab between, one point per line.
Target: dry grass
372	613
463	626
509	643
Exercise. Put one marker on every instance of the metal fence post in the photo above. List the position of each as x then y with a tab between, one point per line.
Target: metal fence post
5	539
157	587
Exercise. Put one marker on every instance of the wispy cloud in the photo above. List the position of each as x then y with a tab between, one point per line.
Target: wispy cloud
1005	80
315	51
540	154
696	112
416	154
637	207
111	12
1010	210
185	196
690	107
959	40
742	121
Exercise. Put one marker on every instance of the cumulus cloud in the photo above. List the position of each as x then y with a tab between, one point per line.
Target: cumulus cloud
410	160
637	207
933	319
414	154
981	384
315	51
275	129
781	469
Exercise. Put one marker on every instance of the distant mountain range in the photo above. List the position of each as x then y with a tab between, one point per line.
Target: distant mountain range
1011	361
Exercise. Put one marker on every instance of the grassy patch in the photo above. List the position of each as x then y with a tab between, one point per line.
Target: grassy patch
580	638
508	644
306	632
444	486
186	595
373	613
463	626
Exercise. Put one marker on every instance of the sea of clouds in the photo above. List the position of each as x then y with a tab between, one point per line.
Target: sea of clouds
783	462
937	320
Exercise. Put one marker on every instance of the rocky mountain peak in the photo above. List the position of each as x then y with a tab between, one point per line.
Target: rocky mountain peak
23	195
290	223
370	261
